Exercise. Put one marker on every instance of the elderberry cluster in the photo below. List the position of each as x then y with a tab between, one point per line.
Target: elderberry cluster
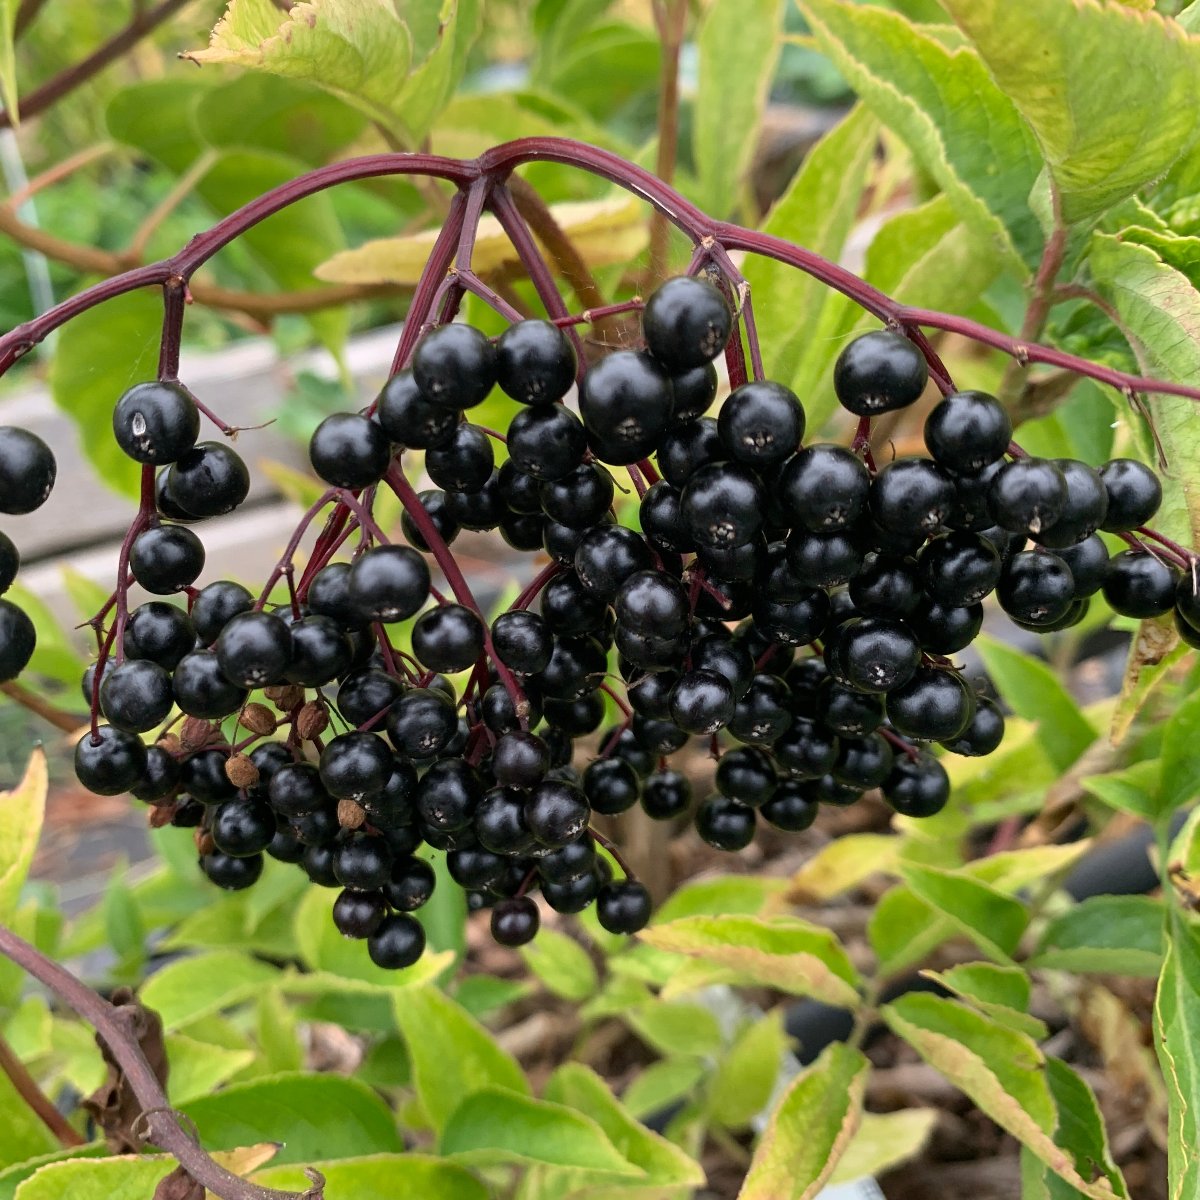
791	604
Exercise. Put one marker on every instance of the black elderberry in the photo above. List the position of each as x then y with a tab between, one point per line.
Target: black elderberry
649	652
520	490
958	568
321	651
666	794
652	602
943	628
660	738
399	941
688	446
694	391
409	417
160	779
455	365
1134	494
481	510
983	734
824	559
27	470
166	559
159	632
464	462
388	583
686	322
747	775
725	824
1036	586
448	638
109	761
917	787
724	656
792	808
911	496
10	562
1139	585
209	480
242	828
722	505
201	688
522	531
568	607
230	873
156	422
547	442
607	556
761	423
662	519
1085	508
574	895
878	654
363	861
296	788
519	759
535	362
285	847
216	605
824	488
448	794
515	922
966	431
474	868
847	712
626	403
18	637
623	907
580	498
576	667
1027	495
522	641
254	650
761	714
556	813
862	763
355	764
358	914
793	622
567	863
885	586
878	372
807	750
203	776
136	696
410	884
317	862
934	705
349	450
701	702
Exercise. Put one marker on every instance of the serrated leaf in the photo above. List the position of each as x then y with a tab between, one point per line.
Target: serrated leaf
676	1027
746	1075
199	1068
1001	1070
884	1141
1177	1041
603	231
966	133
662	1083
1080	1129
1106	934
126	1178
810	1129
1001	993
562	964
383	1177
903	929
359	50
452	1054
22	810
791	955
1134	789
87	379
1014	870
992	920
1034	692
201	984
441	66
737	45
1111	94
841	865
315	1115
493	1126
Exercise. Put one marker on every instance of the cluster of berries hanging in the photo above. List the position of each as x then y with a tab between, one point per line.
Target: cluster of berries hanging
792	604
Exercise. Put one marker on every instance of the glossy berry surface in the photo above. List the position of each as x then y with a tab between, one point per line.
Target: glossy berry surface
156	422
879	372
27	470
350	451
686	323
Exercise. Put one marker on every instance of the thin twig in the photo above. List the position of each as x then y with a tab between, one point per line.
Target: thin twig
59	718
37	1100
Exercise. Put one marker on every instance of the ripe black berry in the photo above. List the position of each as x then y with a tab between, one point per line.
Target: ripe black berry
686	322
611	786
878	372
1036	586
701	702
877	654
580	498
607	556
243	827
1085	508
464	462
358	914
388	583
363	861
556	813
27	470
136	696
966	431
349	450
694	391
761	423
917	788
355	764
209	480
547	442
984	733
1139	585
407	416
232	874
623	907
156	422
201	688
410	884
159	632
958	568
666	794
254	649
398	941
166	559
10	562
824	488
1134	494
535	362
216	605
321	651
722	505
109	762
455	366
515	922
724	823
522	641
1028	495
911	496
934	705
448	638
421	722
17	640
520	759
626	403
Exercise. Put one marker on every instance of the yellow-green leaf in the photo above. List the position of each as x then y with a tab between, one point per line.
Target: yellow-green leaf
788	954
21	813
811	1128
841	865
1177	1040
884	1141
746	1076
992	920
1113	95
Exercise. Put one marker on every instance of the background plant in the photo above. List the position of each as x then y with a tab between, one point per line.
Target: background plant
998	210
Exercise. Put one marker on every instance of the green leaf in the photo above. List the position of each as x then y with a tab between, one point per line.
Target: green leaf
1135	789
199	1068
1177	1041
809	1131
1001	1070
562	964
787	954
126	1178
8	60
483	994
992	920
579	1088
745	1077
123	922
1080	1129
22	811
1160	310
1180	762
87	378
884	1141
1189	18
452	1055
903	929
676	1027
317	1116
357	49
341	959
383	1177
1119	935
277	1035
723	896
431	85
1124	96
86	594
201	984
737	44
817	211
1034	692
493	1126
1001	993
962	128
22	1133
662	1083
12	1177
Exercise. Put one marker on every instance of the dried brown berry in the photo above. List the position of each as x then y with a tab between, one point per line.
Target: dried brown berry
351	814
312	720
258	718
241	772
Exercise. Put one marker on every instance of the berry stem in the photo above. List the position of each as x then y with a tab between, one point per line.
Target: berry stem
174	305
610	692
900	744
399	484
289	551
535	585
611	847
